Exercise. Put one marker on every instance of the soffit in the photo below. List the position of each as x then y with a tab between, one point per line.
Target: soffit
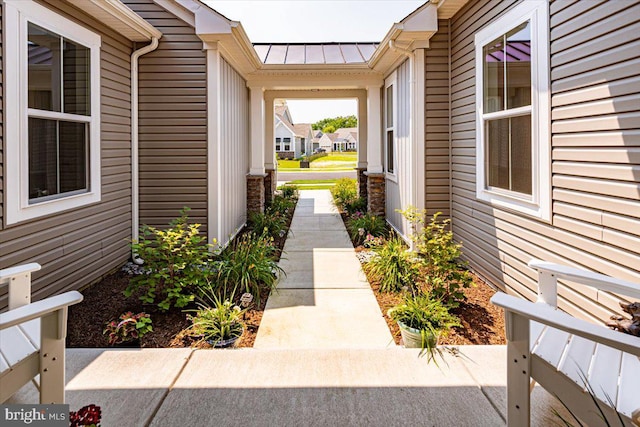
116	15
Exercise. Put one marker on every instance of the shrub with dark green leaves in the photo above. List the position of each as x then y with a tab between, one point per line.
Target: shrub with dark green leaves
176	261
289	191
270	224
394	266
446	273
360	225
281	205
358	204
248	265
344	190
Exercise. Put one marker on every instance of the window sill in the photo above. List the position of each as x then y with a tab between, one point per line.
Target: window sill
50	207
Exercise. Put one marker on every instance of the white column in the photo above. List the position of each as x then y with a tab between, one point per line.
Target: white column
362	131
214	176
257	130
269	137
418	120
374	130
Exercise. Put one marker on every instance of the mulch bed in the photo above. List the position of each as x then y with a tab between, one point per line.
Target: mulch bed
104	301
483	322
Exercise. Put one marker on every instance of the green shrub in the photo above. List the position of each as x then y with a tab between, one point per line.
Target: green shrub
345	189
289	191
428	315
270	224
217	319
248	265
446	273
352	206
129	327
280	204
394	266
313	157
176	261
360	225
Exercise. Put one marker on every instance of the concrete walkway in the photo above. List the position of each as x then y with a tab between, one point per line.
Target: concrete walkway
314	387
324	300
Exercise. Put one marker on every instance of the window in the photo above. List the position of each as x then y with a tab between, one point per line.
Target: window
287	144
53	86
278	147
390	123
512	98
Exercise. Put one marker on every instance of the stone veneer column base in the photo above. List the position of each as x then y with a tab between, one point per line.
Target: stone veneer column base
255	193
376	203
362	182
270	185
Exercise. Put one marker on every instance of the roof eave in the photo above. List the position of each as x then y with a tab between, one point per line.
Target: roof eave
114	14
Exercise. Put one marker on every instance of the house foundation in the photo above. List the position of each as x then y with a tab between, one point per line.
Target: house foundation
376	193
270	185
362	182
256	192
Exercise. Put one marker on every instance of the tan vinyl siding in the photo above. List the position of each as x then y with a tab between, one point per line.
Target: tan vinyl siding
173	121
437	122
79	246
595	82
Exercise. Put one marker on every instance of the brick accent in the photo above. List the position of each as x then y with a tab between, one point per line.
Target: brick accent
255	193
270	185
376	193
362	182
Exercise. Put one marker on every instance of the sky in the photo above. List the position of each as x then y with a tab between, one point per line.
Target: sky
316	21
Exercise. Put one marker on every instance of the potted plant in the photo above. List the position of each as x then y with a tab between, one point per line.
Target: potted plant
128	329
219	325
422	320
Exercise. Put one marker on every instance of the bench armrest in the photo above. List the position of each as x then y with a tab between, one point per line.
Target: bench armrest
547	315
597	280
38	309
7	273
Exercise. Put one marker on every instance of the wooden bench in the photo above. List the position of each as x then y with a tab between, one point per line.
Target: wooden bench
569	356
32	337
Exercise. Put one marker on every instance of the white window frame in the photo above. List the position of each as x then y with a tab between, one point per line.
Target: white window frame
392	81
278	141
17	15
538	204
286	143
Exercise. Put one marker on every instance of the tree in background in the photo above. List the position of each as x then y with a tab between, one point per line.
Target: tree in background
330	125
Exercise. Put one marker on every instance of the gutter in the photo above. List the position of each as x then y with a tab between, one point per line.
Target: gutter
135	168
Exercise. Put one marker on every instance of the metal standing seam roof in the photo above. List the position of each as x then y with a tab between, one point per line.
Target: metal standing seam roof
315	53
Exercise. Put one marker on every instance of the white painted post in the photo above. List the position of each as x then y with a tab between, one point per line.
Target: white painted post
548	288
214	171
269	138
374	129
362	132
518	370
257	130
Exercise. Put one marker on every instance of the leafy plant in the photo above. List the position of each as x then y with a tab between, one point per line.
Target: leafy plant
446	273
394	266
281	205
270	224
344	190
361	225
128	327
87	416
217	322
428	315
372	242
352	206
289	191
249	265
176	262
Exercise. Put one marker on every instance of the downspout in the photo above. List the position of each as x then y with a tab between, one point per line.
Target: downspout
450	127
135	169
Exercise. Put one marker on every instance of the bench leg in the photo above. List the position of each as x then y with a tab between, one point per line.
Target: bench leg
52	357
518	370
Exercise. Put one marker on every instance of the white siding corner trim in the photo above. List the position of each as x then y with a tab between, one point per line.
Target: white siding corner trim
538	204
17	16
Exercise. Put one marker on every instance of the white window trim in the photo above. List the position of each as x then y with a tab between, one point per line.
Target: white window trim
539	203
17	14
392	80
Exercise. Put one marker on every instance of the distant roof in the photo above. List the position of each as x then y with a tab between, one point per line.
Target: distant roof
315	53
302	129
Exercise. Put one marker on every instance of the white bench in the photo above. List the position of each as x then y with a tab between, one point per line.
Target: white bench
32	337
564	354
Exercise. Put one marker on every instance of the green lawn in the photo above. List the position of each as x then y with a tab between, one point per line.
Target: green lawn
314	184
336	161
288	164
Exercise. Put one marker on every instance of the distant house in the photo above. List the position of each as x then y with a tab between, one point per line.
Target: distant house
347	139
290	139
326	141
